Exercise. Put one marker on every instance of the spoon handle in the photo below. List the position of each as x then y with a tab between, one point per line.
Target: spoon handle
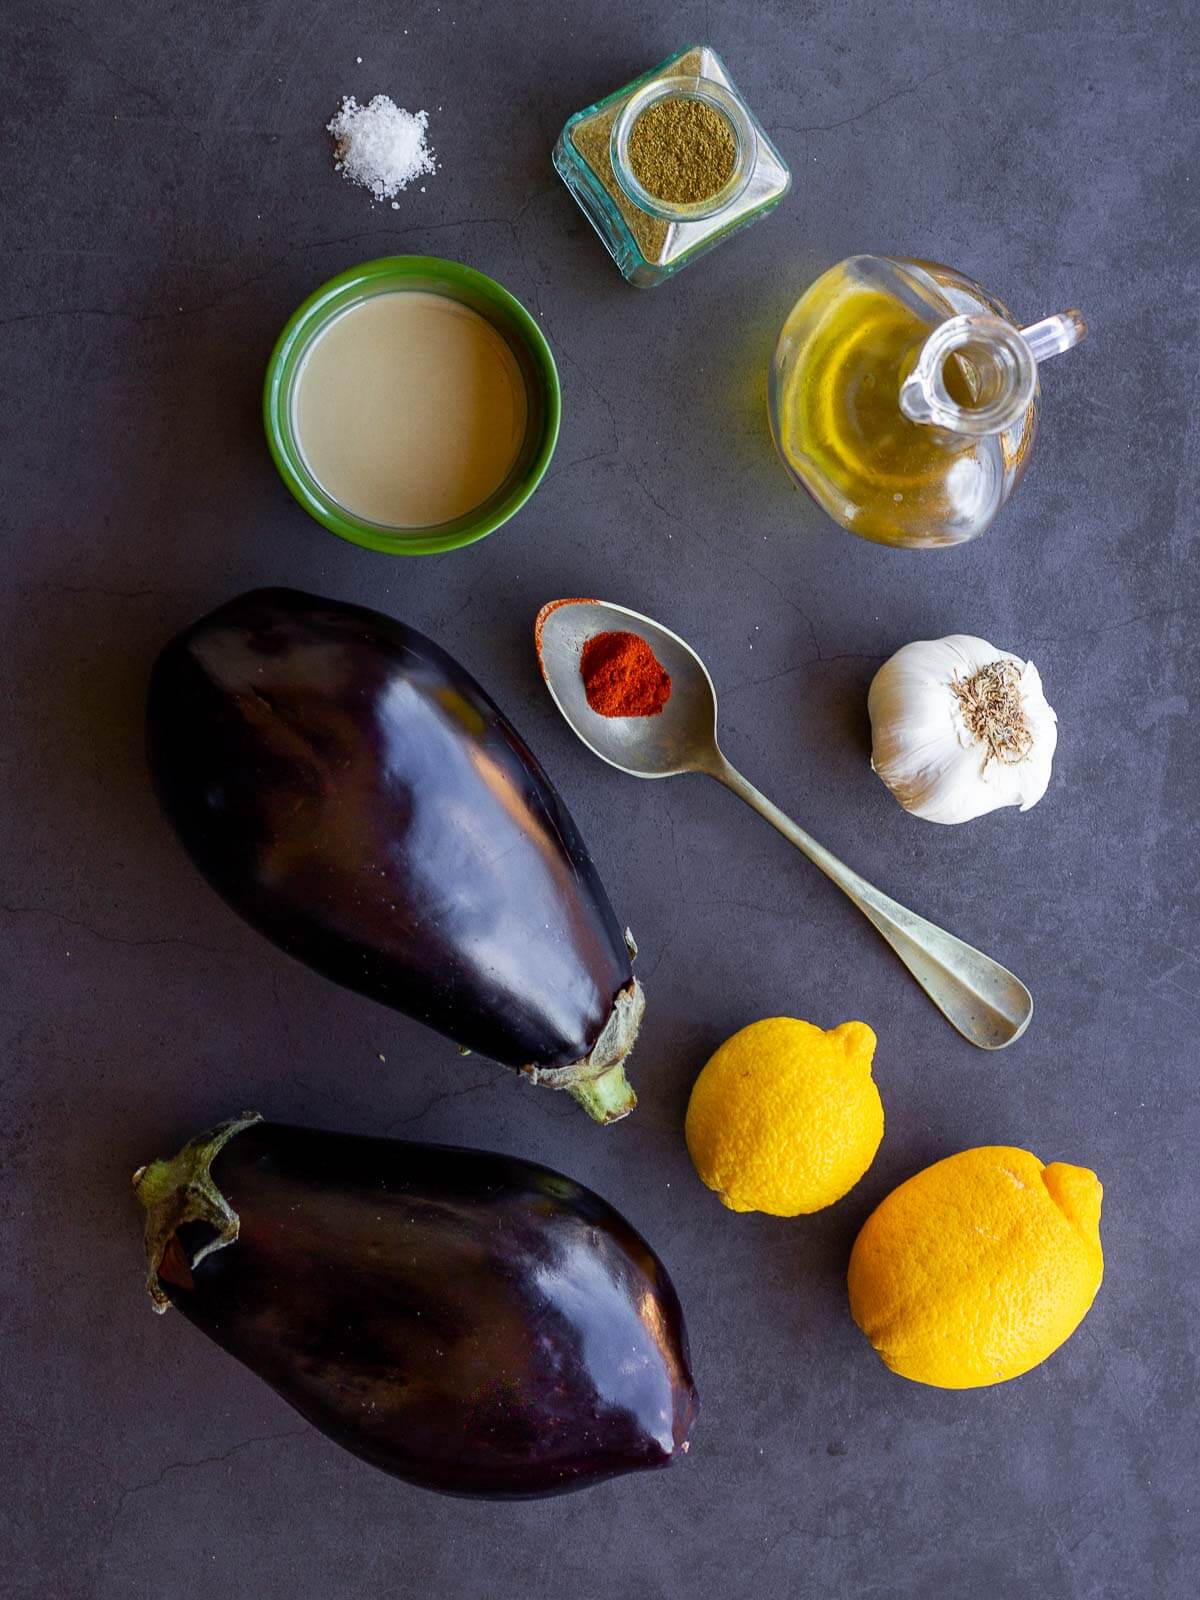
979	997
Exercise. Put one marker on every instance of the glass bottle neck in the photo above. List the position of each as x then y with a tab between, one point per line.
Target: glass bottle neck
973	374
978	374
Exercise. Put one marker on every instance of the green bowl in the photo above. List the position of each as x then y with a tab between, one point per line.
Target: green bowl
481	294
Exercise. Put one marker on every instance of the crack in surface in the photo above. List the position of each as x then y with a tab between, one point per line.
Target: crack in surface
1111	627
534	285
595	388
106	938
876	105
448	1094
653	499
788	601
153	96
181	1466
578	461
139	317
809	661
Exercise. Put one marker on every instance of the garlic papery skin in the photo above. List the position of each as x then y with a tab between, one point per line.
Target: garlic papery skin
934	743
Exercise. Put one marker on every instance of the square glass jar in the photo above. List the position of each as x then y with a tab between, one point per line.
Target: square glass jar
648	238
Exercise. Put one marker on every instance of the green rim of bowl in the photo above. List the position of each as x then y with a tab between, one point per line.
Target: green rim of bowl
458	282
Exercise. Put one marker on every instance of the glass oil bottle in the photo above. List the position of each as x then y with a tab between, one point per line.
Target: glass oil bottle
904	398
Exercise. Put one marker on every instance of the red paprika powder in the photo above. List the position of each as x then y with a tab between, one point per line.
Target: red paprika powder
622	676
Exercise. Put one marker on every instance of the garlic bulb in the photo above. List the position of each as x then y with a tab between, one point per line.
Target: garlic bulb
959	728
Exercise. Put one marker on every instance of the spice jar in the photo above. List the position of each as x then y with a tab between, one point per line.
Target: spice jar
670	165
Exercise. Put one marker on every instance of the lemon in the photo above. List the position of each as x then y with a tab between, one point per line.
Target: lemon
976	1269
785	1117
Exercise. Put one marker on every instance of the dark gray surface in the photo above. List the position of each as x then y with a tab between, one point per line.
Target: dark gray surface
167	199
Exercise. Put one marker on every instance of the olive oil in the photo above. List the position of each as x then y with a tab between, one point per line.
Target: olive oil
840	414
889	465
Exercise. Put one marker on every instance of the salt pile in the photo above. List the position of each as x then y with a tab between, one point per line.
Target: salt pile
380	146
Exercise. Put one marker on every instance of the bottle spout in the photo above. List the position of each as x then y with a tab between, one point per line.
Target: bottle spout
917	399
973	375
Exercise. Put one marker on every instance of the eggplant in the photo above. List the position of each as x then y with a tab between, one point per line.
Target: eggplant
357	797
469	1322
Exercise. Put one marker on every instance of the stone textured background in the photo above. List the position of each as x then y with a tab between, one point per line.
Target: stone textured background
167	199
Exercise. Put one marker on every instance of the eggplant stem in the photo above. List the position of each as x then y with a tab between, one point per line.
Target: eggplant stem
180	1189
584	1079
607	1098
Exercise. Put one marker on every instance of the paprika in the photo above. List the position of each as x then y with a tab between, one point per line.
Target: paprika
622	677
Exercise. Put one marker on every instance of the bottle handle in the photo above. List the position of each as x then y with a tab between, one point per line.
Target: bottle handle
1053	335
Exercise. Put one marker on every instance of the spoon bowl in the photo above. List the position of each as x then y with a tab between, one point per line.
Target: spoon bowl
682	737
983	1000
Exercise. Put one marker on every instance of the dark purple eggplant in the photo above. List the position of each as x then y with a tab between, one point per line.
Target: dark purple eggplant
355	794
470	1322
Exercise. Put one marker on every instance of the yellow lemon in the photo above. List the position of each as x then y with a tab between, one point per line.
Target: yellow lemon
785	1117
976	1269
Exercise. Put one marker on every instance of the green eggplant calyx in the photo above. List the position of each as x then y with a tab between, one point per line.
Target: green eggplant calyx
598	1081
180	1189
607	1098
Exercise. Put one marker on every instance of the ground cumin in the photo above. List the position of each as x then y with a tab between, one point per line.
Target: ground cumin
682	150
591	136
622	677
591	139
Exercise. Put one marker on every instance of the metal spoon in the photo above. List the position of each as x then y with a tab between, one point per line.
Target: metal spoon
984	1001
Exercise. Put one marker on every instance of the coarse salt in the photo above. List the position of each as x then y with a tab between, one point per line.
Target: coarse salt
380	146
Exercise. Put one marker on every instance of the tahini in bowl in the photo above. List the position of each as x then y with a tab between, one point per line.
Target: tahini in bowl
428	275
